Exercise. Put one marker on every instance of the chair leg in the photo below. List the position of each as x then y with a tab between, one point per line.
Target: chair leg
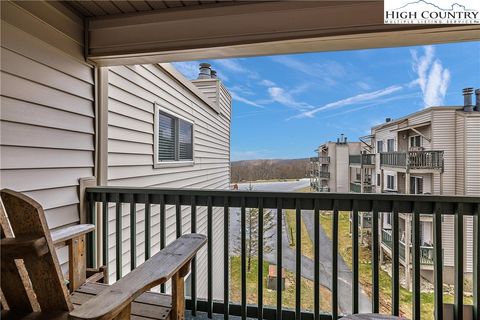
178	297
125	313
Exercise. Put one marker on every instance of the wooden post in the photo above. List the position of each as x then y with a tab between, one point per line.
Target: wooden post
124	314
178	293
178	298
77	263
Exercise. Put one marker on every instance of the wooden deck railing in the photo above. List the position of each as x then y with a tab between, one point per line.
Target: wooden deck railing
413	159
376	204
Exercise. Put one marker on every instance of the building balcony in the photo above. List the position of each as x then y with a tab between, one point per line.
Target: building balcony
362	160
184	204
320	174
356	186
321	159
426	252
414	160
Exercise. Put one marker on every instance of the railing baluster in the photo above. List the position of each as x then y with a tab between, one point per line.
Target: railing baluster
416	264
476	262
133	233
438	267
148	228
118	234
335	261
91	237
375	260
458	225
105	231
178	216
395	262
298	258
162	231
193	273
355	258
226	259
279	258
260	259
316	260
243	262
210	257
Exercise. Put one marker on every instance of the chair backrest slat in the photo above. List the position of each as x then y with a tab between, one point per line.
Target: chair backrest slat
27	218
17	287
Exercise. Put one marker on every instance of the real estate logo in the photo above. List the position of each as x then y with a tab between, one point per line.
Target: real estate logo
432	11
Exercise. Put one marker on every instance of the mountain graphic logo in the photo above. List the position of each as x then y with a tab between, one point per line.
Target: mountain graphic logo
431	12
453	7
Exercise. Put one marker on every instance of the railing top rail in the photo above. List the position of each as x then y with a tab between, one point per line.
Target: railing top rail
425	204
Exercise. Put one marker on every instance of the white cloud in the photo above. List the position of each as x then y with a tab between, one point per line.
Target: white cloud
267	83
359	98
188	68
326	70
283	97
433	78
239	98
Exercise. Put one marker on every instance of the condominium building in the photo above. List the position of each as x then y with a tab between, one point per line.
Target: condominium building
329	170
433	151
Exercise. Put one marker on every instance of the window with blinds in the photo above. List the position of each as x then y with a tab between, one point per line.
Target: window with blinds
185	146
166	137
174	138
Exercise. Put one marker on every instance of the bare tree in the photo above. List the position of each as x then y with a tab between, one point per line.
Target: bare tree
251	232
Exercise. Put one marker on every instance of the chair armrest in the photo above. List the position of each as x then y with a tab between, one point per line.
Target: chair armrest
64	234
155	271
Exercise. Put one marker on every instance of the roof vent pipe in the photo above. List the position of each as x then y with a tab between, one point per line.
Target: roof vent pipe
342	139
205	71
467	99
388	119
477	98
213	74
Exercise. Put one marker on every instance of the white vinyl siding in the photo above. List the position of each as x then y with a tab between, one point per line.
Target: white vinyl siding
47	97
133	92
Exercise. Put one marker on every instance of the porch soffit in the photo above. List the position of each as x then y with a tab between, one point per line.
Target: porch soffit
225	29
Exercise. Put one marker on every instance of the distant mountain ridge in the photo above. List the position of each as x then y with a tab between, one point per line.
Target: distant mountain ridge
435	6
268	169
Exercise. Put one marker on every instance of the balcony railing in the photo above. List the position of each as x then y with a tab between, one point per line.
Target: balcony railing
413	159
324	174
187	202
426	252
367	187
363	159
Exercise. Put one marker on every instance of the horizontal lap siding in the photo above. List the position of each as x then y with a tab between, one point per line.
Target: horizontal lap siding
47	99
133	90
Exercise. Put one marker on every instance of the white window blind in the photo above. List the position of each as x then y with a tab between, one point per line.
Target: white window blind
185	140
166	137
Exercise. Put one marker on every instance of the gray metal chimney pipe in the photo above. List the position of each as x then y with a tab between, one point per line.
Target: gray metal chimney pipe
467	99
205	71
213	74
477	98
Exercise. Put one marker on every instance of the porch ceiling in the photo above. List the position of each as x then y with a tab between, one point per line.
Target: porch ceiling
107	8
136	32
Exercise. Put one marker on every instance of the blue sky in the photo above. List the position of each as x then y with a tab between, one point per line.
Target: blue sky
285	106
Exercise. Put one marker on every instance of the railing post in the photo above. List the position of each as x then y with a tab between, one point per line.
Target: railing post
476	262
438	267
458	225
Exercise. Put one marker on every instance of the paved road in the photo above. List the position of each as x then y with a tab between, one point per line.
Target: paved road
288	257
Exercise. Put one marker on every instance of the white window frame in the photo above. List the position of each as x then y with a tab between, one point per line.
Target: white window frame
171	163
410	141
380	143
393	146
393	180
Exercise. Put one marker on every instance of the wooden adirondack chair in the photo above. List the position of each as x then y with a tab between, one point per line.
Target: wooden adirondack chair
33	286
